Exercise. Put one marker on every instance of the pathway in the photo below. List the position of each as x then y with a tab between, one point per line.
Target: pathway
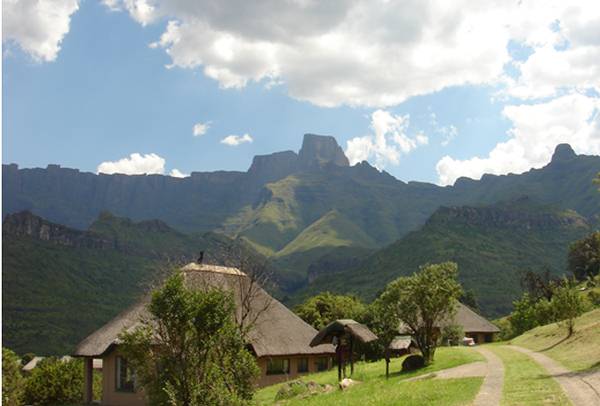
582	389
490	392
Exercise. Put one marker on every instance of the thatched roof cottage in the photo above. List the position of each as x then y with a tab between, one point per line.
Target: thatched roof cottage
279	339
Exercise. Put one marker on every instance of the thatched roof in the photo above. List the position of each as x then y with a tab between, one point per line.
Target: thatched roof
400	343
344	326
276	331
470	322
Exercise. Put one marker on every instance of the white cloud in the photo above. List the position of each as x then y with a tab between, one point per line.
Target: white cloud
388	141
447	132
37	26
200	129
176	173
134	165
235	140
398	49
536	130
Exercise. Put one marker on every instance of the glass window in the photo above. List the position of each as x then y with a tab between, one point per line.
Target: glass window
322	363
302	365
278	366
125	376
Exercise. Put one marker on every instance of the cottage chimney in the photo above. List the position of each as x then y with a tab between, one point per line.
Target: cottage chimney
201	257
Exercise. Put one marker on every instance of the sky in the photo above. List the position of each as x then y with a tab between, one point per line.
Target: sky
425	90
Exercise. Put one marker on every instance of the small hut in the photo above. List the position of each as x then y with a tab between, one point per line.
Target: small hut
401	345
342	334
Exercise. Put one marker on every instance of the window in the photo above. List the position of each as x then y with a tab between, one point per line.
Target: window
125	376
278	366
302	365
322	363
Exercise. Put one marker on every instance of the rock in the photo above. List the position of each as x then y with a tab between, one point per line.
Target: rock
347	382
563	152
319	150
413	362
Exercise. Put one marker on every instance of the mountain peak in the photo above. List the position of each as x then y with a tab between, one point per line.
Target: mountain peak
563	152
319	150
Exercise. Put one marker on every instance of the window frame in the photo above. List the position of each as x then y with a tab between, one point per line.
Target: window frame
304	362
285	370
127	386
319	361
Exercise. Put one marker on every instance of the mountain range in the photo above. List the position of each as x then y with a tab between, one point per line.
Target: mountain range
322	223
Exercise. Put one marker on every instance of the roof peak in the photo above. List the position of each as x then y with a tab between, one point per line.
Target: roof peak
194	266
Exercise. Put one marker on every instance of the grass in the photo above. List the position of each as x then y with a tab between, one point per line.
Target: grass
579	352
375	389
526	382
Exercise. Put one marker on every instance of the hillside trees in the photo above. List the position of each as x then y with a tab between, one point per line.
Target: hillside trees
190	351
584	256
322	309
562	304
567	304
422	301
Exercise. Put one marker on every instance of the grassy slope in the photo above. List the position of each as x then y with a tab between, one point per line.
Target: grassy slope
376	390
526	382
578	352
489	260
332	237
331	230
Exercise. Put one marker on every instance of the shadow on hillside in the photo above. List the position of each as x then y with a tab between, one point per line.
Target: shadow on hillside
555	344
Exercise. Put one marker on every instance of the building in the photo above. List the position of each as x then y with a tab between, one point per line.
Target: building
473	325
279	339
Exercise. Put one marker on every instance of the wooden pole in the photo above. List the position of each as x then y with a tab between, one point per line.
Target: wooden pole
338	350
88	379
387	363
351	358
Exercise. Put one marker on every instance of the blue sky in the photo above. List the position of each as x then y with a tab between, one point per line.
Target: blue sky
107	94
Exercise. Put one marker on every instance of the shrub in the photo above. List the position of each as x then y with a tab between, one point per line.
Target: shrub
12	380
54	381
413	362
452	334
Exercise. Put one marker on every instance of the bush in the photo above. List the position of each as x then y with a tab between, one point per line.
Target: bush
452	335
12	380
594	298
413	362
55	382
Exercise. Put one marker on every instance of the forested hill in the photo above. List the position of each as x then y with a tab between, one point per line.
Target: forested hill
492	246
60	284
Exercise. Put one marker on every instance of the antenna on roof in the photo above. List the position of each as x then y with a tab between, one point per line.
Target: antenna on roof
201	257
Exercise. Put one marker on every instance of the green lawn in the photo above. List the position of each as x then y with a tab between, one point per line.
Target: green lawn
376	390
579	352
525	382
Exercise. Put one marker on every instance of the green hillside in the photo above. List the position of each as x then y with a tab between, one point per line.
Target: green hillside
61	285
490	244
579	352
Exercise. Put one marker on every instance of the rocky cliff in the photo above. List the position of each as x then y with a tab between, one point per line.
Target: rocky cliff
27	224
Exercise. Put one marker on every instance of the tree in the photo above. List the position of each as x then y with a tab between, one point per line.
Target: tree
190	350
539	285
567	304
423	301
584	257
322	309
55	381
468	298
12	380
